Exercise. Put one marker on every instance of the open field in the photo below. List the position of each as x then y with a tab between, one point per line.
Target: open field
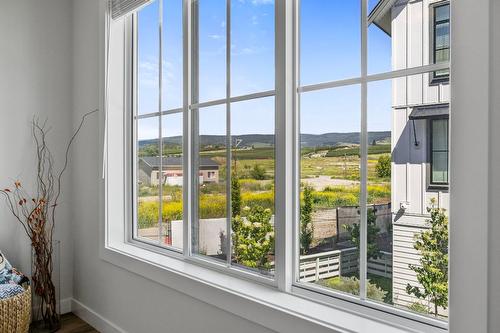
334	179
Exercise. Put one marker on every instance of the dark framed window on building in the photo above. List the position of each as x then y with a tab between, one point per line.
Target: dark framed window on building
439	151
441	38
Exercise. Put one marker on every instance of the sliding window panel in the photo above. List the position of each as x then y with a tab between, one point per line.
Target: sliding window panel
379	254
408	204
173	177
148	179
252	184
252	46
409	34
148	55
210	225
330	188
172	62
209	47
330	40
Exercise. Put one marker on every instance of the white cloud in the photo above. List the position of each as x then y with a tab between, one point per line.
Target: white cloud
215	36
262	2
258	2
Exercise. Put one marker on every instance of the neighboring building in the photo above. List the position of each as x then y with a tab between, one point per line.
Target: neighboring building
419	32
148	171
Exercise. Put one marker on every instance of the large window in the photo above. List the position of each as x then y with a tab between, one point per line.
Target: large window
213	140
365	212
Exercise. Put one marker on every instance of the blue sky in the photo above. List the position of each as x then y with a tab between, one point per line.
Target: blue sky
330	50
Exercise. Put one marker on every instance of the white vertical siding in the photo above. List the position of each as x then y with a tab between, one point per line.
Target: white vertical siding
411	42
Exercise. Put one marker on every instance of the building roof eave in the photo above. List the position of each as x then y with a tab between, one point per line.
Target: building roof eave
381	15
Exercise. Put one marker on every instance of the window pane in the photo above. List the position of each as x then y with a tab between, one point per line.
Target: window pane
440	167
172	209
330	174
400	195
442	13
330	40
379	256
442	35
210	229
172	64
148	47
440	134
211	49
148	179
252	46
252	184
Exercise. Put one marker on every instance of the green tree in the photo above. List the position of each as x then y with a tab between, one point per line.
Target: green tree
253	237
306	225
432	273
372	250
258	172
383	166
235	195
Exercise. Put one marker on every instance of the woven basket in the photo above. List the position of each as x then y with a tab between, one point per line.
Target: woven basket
15	313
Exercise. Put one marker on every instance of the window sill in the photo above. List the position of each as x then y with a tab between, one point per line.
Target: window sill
276	310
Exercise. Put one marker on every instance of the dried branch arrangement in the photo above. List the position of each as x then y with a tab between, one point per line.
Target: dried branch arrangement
36	212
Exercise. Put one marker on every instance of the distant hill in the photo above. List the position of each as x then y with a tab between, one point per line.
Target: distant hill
259	140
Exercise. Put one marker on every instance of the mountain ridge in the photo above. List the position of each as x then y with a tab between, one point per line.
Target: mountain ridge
307	140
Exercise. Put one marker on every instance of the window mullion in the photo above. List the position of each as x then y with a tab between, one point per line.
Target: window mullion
229	175
363	152
285	147
160	118
187	156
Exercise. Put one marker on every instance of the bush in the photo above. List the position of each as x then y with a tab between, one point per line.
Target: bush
383	167
351	285
253	237
306	225
258	172
372	250
432	271
235	195
419	307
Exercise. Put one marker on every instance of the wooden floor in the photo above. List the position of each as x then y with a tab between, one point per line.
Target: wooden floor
72	324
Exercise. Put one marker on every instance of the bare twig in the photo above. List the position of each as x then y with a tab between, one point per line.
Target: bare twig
36	214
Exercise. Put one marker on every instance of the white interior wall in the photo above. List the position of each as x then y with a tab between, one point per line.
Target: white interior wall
35	79
494	231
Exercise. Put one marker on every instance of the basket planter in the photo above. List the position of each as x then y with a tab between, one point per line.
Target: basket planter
15	313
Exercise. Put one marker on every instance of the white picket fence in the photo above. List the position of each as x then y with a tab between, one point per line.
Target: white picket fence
315	267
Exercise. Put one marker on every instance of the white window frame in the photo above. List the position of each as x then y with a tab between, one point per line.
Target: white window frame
287	307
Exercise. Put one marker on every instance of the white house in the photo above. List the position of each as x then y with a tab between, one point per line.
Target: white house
419	32
149	166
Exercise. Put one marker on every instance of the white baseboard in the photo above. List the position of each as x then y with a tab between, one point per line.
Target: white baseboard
65	305
97	321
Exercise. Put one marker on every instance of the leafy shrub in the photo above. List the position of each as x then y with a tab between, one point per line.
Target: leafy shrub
432	273
253	237
419	307
351	285
383	167
235	195
306	225
372	250
258	172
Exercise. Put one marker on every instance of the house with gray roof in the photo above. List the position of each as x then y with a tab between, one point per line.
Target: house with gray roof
149	166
